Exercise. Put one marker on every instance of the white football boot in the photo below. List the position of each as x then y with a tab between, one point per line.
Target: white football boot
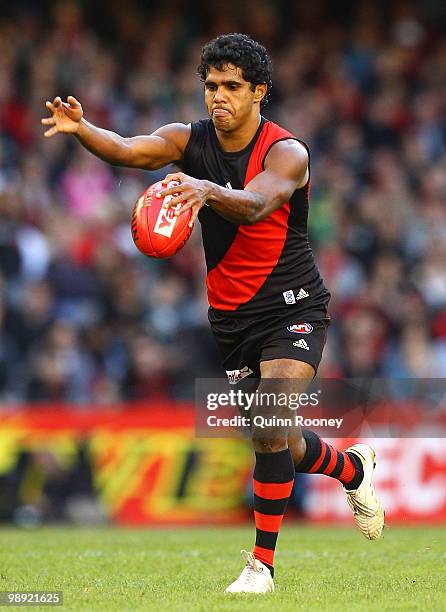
255	578
367	509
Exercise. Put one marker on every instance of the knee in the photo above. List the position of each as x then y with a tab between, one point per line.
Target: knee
268	444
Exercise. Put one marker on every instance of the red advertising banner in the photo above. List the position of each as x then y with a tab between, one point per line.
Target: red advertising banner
147	464
410	476
148	467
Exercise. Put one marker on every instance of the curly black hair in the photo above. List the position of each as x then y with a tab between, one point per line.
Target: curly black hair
241	51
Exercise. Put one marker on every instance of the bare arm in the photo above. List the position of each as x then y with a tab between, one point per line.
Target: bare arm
166	145
286	169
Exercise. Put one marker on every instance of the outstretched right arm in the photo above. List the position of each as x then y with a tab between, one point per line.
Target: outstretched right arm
166	145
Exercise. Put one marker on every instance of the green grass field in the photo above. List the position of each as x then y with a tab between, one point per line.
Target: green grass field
187	569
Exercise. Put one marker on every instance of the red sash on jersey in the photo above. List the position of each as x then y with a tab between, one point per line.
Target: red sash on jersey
256	249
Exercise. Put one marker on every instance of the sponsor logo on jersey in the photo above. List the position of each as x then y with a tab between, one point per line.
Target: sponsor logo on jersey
235	376
166	217
289	297
301	344
302	294
300	328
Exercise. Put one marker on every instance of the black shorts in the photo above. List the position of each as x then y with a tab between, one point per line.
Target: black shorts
245	342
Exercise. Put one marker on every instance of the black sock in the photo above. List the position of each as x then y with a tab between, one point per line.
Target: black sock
273	482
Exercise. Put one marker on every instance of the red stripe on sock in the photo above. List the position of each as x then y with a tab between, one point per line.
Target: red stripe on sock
333	459
348	471
273	490
319	461
264	555
268	522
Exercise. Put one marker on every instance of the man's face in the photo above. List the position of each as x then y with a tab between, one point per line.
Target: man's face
230	99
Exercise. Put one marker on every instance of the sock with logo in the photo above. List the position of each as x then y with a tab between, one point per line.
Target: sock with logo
273	482
322	458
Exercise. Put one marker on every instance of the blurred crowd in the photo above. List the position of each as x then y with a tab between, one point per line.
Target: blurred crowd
85	318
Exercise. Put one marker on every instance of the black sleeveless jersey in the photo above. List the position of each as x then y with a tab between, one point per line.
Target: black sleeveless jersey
252	269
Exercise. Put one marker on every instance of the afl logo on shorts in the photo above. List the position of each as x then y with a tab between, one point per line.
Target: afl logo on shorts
300	328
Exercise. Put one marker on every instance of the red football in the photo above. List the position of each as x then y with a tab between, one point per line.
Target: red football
156	231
